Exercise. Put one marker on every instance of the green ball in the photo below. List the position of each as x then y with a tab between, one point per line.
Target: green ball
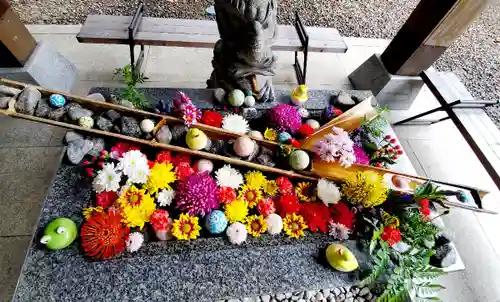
236	98
298	160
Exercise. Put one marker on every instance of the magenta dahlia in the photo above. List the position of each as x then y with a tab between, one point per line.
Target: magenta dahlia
361	156
285	118
197	194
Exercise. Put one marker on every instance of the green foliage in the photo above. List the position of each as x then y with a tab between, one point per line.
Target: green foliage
130	92
375	126
431	192
417	232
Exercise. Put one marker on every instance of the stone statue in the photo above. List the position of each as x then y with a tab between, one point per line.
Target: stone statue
242	57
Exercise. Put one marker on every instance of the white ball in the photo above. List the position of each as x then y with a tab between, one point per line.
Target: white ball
274	224
299	160
147	125
237	233
249	101
313	123
256	134
204	165
236	98
243	146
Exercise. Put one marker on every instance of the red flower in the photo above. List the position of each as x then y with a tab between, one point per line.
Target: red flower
305	130
120	148
397	147
103	235
285	186
337	111
388	137
391	235
295	143
341	213
316	215
265	206
400	152
183	170
212	118
163	157
288	204
106	199
226	195
159	220
89	171
424	207
181	158
392	140
85	162
150	164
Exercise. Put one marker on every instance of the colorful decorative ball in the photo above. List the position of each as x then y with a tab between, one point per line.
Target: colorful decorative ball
147	125
204	165
299	160
313	123
57	100
216	222
236	98
256	134
283	137
86	122
249	101
243	146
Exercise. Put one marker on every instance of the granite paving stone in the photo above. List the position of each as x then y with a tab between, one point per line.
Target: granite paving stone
21	133
18	218
40	161
12	253
23	186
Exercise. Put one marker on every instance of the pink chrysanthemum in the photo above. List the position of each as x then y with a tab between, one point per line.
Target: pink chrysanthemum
361	156
190	114
180	101
197	194
285	118
336	146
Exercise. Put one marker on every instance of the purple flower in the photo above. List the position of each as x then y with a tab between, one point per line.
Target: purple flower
361	156
197	194
285	118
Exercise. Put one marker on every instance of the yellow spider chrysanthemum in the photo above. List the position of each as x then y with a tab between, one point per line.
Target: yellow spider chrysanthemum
160	177
256	225
270	188
390	220
250	195
186	227
294	225
270	134
365	188
236	211
87	212
136	207
255	179
306	191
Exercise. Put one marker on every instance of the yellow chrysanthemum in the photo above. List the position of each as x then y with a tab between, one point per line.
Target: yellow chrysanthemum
136	207
186	227
365	188
270	134
255	179
270	188
87	212
250	195
236	210
390	220
306	191
294	225
160	177
256	225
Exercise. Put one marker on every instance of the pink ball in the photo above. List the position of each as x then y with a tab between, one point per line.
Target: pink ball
204	165
243	146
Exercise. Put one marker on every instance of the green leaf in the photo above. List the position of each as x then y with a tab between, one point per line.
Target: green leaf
370	147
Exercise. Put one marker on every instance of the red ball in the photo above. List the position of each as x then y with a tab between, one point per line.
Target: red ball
388	137
400	152
392	141
305	130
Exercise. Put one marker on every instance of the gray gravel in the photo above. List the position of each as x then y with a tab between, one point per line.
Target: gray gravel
475	57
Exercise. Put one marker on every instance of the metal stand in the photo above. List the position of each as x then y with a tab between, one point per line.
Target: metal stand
132	30
304	40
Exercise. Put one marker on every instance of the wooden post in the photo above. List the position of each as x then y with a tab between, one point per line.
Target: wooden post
16	42
431	28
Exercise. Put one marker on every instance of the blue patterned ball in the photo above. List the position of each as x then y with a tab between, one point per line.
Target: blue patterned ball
57	100
283	137
216	222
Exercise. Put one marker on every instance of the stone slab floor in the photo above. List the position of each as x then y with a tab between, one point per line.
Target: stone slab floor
29	152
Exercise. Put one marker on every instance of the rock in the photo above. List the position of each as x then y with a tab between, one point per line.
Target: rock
368	296
295	298
355	290
104	124
216	146
302	300
130	127
9	91
348	294
337	291
68	106
178	132
112	115
326	292
72	136
77	112
147	136
374	299
309	294
113	99
164	135
126	103
96	97
288	295
364	291
99	145
57	114
265	298
319	297
330	299
250	113
359	299
219	95
254	299
341	297
280	297
234	300
27	101
265	157
4	101
344	99
350	299
77	149
445	255
43	108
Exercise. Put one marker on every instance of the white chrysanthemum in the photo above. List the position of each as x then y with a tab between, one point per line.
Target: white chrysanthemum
235	123
303	112
165	197
134	241
228	177
328	192
108	179
237	233
135	166
338	231
274	224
